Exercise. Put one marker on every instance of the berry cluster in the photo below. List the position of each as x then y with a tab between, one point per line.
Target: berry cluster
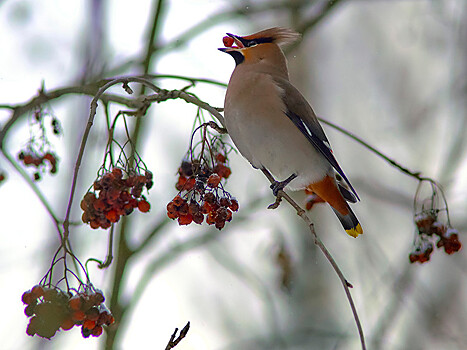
2	176
201	193
31	158
431	230
38	151
39	116
218	210
117	196
51	309
422	252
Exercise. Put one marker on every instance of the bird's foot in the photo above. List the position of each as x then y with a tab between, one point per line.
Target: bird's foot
277	186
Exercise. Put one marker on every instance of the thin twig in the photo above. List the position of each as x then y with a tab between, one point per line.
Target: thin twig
35	189
174	342
164	95
414	174
109	257
320	244
153	37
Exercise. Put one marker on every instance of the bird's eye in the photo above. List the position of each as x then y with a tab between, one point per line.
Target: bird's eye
252	43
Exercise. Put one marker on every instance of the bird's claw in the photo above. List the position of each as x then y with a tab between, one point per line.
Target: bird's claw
277	186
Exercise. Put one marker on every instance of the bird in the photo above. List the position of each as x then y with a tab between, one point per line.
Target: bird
275	128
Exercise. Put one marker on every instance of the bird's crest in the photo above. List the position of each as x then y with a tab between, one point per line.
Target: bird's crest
277	35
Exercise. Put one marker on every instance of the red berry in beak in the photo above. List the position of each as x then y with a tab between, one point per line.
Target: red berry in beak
228	41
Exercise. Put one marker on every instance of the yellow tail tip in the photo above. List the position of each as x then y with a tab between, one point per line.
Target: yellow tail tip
354	232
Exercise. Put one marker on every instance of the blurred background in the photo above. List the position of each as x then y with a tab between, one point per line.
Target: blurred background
391	72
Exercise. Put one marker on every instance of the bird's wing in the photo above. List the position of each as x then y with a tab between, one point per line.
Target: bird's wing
301	114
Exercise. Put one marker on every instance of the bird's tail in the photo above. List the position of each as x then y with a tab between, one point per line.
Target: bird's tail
328	190
349	222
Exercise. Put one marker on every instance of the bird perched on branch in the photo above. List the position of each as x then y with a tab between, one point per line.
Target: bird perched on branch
274	127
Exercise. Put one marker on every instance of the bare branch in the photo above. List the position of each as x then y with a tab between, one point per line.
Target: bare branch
324	250
414	174
174	342
90	90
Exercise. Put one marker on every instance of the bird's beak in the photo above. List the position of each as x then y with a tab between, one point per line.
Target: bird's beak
237	41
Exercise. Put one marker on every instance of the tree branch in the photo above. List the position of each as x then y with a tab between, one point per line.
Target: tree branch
174	342
414	174
322	247
89	90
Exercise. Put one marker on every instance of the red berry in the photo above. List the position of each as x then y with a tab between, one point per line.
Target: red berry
28	159
221	158
183	210
97	298
143	206
99	205
107	180
50	294
148	175
194	208
113	194
229	216
181	183
228	41
198	218
190	184
78	315
214	180
92	314
172	211
89	324
28	298
67	324
117	172
233	205
224	202
424	222
30	310
124	196
130	181
37	291
75	302
209	198
34	323
178	201
222	170
50	157
413	257
112	215
96	331
220	224
185	219
94	224
211	218
186	169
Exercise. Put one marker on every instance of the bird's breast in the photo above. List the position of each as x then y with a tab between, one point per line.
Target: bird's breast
256	121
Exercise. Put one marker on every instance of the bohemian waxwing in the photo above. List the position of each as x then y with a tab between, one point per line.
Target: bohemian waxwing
274	127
